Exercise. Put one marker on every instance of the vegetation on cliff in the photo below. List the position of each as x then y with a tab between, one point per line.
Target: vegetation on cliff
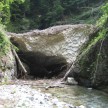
93	58
5	15
4	42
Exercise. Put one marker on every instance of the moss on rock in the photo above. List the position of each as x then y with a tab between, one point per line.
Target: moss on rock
7	60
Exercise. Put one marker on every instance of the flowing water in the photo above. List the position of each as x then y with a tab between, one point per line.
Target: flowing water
77	96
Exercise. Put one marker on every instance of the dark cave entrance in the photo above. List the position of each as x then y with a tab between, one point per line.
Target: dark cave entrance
42	66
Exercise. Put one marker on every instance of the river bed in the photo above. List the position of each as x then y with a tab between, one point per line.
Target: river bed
77	95
45	93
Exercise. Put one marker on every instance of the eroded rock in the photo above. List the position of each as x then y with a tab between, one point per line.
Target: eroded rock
64	40
54	43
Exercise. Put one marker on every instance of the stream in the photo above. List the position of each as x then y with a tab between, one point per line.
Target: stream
77	95
46	93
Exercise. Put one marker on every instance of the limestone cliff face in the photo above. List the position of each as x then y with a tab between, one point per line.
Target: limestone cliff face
63	40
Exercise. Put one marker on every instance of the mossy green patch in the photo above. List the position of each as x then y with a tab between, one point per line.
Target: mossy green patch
4	42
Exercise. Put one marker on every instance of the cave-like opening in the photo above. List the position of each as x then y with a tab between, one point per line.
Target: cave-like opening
41	65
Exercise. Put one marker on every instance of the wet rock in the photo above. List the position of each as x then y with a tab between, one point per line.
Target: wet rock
81	106
71	81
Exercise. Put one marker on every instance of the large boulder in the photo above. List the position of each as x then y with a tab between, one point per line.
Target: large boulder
64	40
52	49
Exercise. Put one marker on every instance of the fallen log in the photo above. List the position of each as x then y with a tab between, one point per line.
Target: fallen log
19	61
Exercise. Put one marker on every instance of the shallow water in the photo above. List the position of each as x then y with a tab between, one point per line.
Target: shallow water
77	96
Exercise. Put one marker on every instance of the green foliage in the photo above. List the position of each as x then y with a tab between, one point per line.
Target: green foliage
4	20
40	14
93	58
104	18
102	24
5	10
4	42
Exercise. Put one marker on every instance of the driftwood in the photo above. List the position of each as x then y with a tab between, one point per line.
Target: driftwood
68	72
53	86
19	61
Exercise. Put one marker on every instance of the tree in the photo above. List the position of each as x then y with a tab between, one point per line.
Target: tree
5	10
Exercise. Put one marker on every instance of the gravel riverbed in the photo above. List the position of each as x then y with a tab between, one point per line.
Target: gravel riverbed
24	96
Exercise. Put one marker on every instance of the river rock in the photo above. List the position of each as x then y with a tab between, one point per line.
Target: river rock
21	96
71	81
81	106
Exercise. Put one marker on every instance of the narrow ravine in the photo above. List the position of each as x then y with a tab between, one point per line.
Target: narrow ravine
53	53
47	54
